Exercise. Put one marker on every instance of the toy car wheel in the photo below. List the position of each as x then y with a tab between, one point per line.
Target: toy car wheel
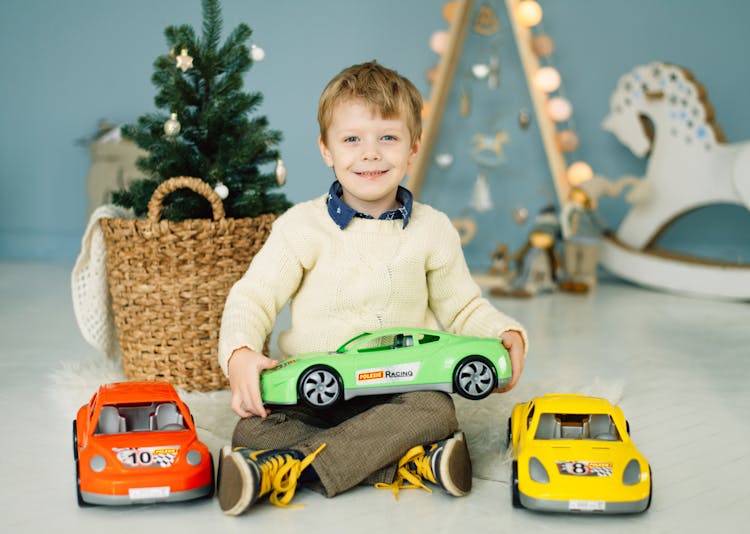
474	378
79	496
509	435
81	502
214	483
515	495
75	441
320	387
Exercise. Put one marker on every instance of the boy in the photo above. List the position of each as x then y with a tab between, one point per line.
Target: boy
362	257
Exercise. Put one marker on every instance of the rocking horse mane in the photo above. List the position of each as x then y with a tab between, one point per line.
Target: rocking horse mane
702	97
692	115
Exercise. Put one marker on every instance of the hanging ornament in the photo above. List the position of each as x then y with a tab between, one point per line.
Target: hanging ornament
467	229
520	215
172	127
257	53
444	160
221	190
495	143
280	172
480	70
486	22
493	80
481	199
524	118
184	61
465	103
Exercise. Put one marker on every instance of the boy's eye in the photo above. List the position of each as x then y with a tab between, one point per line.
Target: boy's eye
351	139
390	138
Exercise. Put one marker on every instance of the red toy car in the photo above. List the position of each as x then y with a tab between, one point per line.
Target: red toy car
135	442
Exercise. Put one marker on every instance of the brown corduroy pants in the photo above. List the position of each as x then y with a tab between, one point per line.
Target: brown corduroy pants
365	437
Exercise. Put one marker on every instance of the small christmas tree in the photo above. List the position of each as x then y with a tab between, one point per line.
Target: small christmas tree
207	132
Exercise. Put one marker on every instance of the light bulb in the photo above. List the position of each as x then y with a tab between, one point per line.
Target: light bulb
439	42
529	13
543	45
547	79
567	140
559	109
579	172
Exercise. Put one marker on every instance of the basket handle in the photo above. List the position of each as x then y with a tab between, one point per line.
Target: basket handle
181	182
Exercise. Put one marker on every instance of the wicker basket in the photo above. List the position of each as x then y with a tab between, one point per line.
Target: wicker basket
169	281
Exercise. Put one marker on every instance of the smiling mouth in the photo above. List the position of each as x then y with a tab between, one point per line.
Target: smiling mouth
370	174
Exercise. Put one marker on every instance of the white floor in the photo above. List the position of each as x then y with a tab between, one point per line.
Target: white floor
683	364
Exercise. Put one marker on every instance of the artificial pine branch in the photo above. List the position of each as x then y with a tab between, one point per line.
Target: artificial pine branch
218	141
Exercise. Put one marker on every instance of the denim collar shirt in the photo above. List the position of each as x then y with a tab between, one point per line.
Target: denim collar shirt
342	214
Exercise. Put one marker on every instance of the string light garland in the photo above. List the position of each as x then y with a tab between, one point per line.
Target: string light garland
547	81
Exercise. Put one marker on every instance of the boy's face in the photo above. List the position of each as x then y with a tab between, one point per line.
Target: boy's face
369	154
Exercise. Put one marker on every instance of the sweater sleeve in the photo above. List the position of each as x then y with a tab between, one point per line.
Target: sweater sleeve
256	299
455	297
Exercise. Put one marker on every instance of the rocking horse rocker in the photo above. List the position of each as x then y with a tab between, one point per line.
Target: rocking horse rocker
659	110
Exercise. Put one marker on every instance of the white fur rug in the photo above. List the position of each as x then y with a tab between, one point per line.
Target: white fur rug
485	422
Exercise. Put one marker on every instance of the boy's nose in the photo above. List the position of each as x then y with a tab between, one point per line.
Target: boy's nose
370	152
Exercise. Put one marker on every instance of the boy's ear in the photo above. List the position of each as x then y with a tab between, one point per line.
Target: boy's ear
324	152
414	150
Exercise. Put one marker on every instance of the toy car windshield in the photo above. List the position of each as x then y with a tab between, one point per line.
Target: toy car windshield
141	417
370	343
576	426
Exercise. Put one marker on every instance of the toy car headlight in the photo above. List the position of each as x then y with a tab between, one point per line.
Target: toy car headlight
632	474
194	457
281	365
97	463
502	364
537	472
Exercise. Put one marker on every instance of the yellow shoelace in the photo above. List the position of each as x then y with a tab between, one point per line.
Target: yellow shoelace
279	475
412	468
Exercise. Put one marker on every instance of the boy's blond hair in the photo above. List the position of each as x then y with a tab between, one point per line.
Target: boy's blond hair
384	90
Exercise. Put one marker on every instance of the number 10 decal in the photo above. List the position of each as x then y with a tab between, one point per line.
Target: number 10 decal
147	456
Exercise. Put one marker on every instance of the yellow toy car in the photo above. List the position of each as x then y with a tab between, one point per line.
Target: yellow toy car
573	453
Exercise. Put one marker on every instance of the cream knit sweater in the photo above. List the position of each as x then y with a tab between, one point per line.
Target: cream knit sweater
373	274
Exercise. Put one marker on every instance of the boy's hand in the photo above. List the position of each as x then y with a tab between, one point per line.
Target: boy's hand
245	367
513	341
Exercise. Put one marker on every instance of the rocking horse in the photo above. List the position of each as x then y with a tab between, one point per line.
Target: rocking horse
660	111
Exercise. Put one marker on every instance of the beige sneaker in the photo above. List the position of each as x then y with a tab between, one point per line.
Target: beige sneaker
445	463
246	475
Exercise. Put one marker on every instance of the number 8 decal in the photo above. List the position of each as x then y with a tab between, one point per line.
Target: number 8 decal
580	468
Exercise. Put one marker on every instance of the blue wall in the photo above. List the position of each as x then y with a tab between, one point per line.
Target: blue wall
68	64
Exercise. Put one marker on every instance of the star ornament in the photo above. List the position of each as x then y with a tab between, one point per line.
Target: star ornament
184	61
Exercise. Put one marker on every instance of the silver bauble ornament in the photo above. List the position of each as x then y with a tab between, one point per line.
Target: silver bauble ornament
221	190
257	53
280	172
172	126
444	160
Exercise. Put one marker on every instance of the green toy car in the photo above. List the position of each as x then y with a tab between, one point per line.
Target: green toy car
391	360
